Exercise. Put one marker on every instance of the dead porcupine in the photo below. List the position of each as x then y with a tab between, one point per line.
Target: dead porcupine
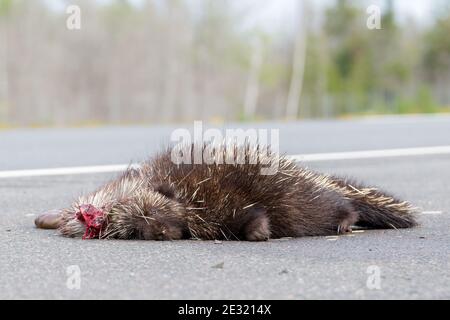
162	200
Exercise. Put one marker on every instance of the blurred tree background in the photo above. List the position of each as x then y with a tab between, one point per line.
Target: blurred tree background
156	61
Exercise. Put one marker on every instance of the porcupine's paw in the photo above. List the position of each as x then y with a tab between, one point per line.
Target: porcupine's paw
49	220
258	227
349	219
345	227
162	228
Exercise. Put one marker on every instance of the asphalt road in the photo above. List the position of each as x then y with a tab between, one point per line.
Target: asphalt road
411	263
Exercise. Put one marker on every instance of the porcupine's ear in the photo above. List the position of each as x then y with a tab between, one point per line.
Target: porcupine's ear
257	224
166	190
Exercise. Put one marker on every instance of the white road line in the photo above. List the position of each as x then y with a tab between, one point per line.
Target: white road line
373	154
353	155
62	171
432	212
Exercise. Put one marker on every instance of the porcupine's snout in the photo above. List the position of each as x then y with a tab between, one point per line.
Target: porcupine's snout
85	221
87	215
49	220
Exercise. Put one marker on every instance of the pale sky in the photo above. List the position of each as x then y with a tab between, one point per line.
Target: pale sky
276	14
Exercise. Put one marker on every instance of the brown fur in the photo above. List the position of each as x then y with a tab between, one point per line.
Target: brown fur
165	201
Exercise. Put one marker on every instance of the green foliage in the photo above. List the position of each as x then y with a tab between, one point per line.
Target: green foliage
5	7
422	102
370	71
162	53
437	52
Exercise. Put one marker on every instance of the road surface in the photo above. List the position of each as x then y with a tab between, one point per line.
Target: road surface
385	264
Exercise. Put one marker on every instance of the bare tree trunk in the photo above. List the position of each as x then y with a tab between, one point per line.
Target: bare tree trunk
4	77
252	92
323	97
170	74
298	66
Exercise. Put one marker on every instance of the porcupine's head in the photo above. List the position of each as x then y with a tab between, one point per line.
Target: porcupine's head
145	215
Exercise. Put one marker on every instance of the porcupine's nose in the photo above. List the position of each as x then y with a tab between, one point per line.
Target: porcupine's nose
48	220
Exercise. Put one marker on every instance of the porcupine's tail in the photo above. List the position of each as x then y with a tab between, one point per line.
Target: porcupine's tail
377	209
